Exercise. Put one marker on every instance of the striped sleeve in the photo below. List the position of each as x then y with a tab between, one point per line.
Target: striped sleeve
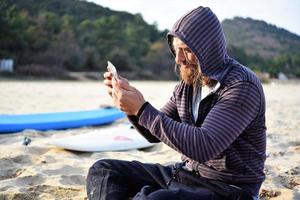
236	108
170	108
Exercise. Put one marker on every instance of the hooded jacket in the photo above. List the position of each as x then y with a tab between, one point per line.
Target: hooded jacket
228	140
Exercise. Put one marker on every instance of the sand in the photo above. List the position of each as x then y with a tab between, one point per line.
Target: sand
40	171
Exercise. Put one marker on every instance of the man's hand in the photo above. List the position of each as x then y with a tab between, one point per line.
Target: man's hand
126	98
108	82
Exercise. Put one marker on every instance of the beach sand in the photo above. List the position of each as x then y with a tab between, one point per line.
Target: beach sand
40	171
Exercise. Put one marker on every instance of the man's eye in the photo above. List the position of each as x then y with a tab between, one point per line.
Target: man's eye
187	50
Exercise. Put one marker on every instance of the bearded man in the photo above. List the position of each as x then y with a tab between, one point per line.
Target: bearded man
215	118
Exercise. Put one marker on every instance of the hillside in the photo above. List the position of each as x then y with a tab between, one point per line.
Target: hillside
260	38
39	34
80	10
49	38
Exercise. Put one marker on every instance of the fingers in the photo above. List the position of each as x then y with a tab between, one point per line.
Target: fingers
107	75
113	86
115	98
108	78
109	91
123	95
129	101
120	102
108	83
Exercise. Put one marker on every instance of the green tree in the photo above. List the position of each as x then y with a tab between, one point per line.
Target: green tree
13	37
160	61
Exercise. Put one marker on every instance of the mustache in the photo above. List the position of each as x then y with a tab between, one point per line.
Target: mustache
177	67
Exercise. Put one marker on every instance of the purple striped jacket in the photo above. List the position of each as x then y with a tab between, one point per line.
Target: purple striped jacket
228	140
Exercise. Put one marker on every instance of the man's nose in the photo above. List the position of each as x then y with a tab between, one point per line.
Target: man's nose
180	58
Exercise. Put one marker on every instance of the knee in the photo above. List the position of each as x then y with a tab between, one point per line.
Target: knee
95	177
99	166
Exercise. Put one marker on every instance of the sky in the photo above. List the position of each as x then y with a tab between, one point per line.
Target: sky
282	13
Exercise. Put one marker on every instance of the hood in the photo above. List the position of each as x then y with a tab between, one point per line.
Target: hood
201	31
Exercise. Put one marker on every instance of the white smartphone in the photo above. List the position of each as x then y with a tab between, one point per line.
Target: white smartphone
111	68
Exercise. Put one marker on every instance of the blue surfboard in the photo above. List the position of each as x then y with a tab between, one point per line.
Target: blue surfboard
58	120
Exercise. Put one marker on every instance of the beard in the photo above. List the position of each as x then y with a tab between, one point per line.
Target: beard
190	75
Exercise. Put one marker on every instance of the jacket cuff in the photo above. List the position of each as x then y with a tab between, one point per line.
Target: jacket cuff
142	109
149	117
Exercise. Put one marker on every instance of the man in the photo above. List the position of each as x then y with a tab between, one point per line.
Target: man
215	119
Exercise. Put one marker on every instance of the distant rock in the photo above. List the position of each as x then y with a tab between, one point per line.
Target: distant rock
282	76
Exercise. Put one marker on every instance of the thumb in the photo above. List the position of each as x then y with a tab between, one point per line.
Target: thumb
123	83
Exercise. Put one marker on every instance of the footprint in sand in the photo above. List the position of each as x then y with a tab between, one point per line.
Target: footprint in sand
2	189
22	159
36	179
264	193
7	162
290	182
291	178
294	171
72	180
294	146
66	170
13	167
16	196
44	192
10	173
276	154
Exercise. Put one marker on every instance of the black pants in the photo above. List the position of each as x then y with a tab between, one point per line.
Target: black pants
122	180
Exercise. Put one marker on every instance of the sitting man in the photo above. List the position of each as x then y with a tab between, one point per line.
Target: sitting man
215	119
